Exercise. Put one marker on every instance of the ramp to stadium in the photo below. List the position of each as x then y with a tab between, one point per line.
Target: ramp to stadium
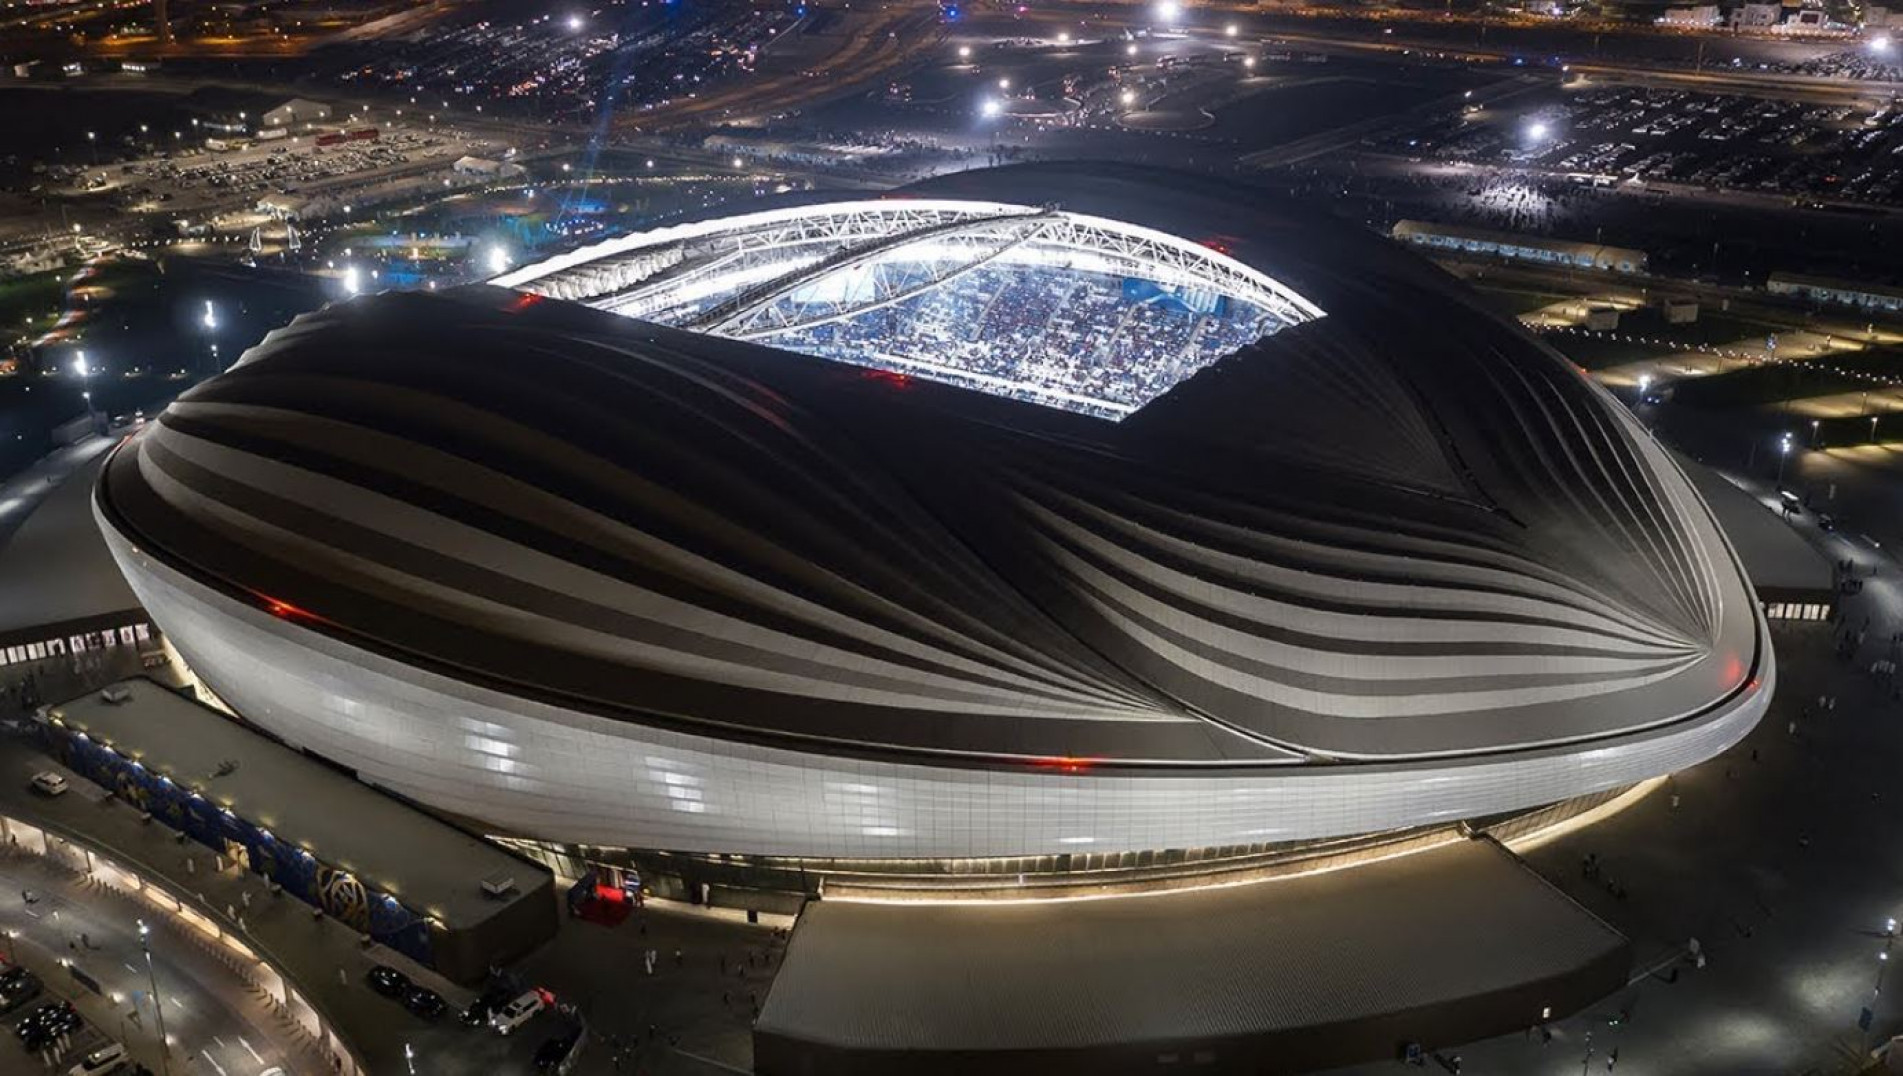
1437	947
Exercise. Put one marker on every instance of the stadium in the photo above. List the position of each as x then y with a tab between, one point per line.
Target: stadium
1032	511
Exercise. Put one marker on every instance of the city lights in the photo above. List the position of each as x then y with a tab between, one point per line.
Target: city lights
1136	459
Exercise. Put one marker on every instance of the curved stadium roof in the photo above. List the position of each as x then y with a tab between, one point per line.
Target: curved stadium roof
1398	528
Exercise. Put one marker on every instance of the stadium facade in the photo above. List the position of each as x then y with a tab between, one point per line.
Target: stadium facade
657	544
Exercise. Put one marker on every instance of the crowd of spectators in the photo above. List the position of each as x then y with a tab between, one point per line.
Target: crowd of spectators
1074	340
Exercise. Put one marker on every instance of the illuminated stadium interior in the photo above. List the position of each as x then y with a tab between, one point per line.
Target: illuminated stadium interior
1067	310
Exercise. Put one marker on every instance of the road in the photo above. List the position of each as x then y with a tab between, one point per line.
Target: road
217	1023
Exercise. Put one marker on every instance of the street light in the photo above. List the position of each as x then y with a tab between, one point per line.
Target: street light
158	1010
964	52
498	260
211	316
1537	131
991	108
1783	454
85	373
1169	11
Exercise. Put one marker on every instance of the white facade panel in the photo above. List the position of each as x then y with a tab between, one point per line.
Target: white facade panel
540	771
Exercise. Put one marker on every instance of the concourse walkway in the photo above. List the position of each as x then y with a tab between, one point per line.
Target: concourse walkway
1435	947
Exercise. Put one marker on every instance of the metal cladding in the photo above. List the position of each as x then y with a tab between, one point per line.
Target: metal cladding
590	578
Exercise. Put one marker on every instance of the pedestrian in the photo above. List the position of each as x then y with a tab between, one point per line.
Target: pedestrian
679	961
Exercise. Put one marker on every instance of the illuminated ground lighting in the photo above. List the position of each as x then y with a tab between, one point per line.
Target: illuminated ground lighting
1526	842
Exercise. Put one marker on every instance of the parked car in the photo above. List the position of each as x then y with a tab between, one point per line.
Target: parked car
108	1058
48	783
388	981
424	1002
481	1009
20	987
45	1024
517	1012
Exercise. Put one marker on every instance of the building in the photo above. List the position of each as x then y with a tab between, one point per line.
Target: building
1696	17
485	168
416	884
1817	289
1519	247
615	553
1791	579
1756	16
295	111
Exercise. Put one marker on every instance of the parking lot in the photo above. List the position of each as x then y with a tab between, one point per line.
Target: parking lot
38	1014
1840	152
200	179
563	65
